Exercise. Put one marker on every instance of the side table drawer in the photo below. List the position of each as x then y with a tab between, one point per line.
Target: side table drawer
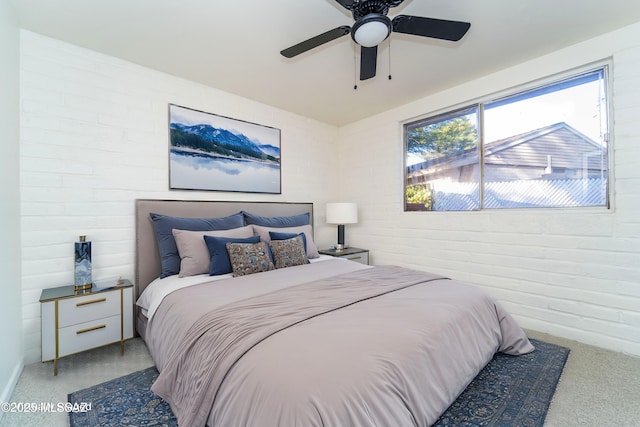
83	309
362	257
84	336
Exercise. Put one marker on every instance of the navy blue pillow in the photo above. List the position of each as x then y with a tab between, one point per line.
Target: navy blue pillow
276	235
277	221
163	224
220	262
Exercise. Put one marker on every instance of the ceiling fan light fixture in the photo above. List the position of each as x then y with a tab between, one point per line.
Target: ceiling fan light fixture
371	30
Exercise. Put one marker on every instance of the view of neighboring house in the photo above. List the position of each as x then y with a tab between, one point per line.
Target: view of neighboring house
552	166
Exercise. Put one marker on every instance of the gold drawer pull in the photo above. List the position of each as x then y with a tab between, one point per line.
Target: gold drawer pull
90	302
353	258
95	328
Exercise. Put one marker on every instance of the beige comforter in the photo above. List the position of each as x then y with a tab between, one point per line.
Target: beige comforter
378	346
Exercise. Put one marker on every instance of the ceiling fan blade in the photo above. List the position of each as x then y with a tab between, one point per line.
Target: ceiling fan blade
315	41
368	61
347	4
430	27
394	3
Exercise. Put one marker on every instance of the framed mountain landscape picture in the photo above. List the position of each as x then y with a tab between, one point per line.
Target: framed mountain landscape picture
211	152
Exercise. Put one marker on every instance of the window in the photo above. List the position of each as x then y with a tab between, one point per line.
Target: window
545	147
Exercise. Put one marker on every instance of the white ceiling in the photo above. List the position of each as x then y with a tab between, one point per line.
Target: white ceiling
234	45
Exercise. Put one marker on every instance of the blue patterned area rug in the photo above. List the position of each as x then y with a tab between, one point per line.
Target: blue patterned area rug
509	391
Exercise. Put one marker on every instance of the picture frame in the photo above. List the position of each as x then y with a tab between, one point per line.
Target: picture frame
216	153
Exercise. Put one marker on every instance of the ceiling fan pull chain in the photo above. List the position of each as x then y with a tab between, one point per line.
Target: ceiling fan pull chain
355	69
389	58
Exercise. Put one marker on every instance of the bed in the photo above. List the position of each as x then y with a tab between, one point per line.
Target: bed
325	343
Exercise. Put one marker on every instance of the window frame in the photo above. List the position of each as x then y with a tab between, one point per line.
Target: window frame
514	91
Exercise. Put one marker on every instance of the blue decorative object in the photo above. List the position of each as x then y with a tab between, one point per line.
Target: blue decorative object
82	266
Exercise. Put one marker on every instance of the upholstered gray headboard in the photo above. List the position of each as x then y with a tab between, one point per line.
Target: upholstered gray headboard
147	256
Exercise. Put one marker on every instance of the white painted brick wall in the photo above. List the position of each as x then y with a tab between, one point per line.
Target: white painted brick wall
572	273
94	137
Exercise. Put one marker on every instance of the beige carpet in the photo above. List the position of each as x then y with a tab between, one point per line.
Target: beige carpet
598	387
37	383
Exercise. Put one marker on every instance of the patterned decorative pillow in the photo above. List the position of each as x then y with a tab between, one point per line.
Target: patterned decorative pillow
289	252
312	249
284	236
249	258
219	261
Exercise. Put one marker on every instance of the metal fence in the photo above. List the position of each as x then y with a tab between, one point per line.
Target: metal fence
520	194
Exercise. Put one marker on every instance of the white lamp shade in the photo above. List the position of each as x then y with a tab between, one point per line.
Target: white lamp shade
342	213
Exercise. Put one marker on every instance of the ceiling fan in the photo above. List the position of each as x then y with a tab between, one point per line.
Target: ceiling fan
372	26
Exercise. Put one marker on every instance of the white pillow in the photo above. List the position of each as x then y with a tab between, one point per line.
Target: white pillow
194	254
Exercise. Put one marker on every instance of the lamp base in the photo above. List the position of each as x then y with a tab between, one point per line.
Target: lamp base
341	234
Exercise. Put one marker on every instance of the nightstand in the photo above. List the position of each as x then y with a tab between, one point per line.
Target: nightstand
75	321
352	254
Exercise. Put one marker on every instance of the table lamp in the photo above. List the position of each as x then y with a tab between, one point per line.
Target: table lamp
341	214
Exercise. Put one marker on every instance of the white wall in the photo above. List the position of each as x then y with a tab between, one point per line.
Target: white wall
572	273
94	137
10	307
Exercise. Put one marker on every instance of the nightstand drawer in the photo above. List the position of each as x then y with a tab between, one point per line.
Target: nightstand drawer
84	336
73	311
362	257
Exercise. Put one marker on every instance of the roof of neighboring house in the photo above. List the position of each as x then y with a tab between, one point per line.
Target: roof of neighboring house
560	141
